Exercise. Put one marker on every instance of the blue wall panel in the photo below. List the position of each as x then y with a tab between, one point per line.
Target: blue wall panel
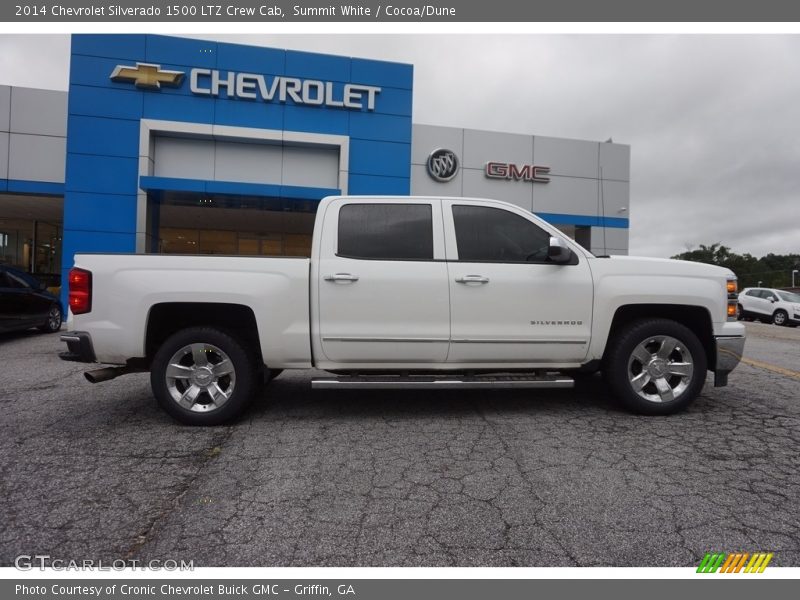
101	174
392	128
180	51
112	213
101	136
105	102
236	57
126	47
308	65
379	158
375	184
249	113
396	75
178	108
322	120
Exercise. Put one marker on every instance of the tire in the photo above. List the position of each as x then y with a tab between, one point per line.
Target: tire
53	321
739	312
780	318
212	379
640	354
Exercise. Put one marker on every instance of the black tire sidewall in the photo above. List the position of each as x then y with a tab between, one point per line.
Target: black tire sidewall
622	347
46	326
243	364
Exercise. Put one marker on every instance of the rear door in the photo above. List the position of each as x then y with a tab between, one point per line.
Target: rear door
508	303
383	291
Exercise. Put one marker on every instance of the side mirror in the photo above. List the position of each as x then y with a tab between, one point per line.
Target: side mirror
558	252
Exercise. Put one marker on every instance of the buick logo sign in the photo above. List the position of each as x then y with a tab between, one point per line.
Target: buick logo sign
442	164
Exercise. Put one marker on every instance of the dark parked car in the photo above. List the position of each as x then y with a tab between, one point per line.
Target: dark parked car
25	303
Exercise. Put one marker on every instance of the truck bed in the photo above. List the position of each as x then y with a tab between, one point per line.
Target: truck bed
126	287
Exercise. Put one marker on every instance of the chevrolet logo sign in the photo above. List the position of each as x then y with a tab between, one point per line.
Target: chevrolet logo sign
146	75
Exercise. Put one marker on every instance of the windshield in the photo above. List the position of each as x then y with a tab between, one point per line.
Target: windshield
789	297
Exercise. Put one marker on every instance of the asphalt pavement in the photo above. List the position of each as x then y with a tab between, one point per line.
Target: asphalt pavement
400	478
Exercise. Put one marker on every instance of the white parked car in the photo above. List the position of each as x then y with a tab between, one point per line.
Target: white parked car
767	304
412	292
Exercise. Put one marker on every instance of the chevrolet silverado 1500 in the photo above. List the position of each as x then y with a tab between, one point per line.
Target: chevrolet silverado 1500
409	292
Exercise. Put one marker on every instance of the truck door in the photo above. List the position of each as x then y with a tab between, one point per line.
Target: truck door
382	282
508	303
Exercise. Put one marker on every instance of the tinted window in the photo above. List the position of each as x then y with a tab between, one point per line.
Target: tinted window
386	231
752	293
789	297
15	280
493	234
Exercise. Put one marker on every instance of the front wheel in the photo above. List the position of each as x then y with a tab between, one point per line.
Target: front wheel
203	376
780	317
656	366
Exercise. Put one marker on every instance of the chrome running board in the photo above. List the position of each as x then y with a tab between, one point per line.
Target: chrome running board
444	382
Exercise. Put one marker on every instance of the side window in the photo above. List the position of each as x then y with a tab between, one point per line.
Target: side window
386	231
753	293
492	234
15	281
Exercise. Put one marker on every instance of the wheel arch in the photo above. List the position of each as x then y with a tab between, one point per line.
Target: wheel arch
165	319
696	318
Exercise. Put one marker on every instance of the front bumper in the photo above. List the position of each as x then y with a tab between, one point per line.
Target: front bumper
79	347
729	353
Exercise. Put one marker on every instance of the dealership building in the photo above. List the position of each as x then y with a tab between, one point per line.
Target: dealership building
175	145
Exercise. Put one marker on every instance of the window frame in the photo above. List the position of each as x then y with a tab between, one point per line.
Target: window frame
393	202
574	259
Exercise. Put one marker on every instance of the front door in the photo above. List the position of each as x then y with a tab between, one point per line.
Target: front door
382	283
508	303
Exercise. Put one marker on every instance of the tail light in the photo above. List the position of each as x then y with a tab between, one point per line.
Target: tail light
80	291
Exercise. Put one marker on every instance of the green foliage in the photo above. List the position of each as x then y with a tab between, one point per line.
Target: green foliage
772	270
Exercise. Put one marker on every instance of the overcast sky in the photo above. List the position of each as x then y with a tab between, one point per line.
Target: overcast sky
713	121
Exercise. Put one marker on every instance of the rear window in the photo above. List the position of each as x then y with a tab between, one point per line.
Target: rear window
386	231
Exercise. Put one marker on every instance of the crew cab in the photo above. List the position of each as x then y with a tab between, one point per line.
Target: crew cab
414	292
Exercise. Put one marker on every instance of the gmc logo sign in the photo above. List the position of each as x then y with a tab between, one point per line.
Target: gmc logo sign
499	170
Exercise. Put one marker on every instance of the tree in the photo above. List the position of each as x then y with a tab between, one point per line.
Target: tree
772	270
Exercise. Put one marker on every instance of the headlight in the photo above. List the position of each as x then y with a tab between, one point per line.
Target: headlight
732	288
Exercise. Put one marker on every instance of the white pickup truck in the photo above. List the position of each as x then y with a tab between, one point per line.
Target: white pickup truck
416	292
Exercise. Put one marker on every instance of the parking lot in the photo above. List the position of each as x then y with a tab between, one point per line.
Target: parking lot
505	478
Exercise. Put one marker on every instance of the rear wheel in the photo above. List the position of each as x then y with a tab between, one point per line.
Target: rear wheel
780	317
656	366
203	376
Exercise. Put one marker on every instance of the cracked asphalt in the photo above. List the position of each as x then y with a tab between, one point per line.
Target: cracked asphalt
401	478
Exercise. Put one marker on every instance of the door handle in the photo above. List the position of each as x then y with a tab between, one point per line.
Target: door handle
472	279
341	277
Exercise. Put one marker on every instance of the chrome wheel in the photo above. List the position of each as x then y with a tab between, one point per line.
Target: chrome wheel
200	377
779	318
660	369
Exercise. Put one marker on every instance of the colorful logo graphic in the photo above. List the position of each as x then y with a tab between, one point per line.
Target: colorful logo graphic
734	562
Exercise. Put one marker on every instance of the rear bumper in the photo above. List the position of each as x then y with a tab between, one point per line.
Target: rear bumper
729	354
79	347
